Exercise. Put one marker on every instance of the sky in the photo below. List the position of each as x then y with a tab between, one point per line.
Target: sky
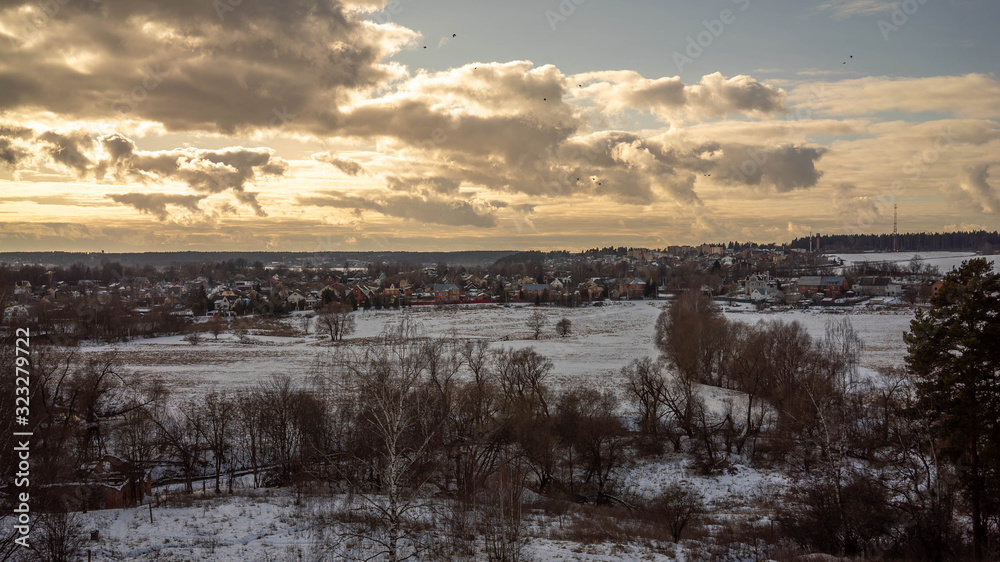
143	125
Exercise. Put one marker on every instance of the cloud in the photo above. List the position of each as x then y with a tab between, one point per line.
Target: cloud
349	167
412	207
713	96
974	184
972	95
205	171
156	203
194	65
11	153
69	149
433	184
785	167
843	9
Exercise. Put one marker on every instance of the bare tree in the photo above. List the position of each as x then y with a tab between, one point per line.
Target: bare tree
386	379
563	327
502	513
337	321
218	412
678	506
216	325
58	537
536	322
647	387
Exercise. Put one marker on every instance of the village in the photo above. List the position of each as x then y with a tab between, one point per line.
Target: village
764	276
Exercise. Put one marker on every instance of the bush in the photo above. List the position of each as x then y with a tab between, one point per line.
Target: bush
563	326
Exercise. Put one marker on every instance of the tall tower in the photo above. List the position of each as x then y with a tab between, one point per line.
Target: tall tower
895	232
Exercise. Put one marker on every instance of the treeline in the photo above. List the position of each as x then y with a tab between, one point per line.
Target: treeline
163	259
977	241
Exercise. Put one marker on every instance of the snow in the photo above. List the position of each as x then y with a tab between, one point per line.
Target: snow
268	524
945	261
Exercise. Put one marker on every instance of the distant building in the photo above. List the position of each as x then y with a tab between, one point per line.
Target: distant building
532	291
15	313
828	285
634	289
878	287
447	293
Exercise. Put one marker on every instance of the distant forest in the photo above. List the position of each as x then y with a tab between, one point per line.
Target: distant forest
980	241
311	259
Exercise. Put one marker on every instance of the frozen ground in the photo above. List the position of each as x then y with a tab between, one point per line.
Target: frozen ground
945	261
602	341
269	525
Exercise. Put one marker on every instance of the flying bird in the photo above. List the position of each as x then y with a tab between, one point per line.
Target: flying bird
454	35
425	46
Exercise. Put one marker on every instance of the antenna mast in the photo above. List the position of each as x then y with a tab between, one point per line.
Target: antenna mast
895	232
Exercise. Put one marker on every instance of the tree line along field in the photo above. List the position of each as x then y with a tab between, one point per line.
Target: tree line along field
676	432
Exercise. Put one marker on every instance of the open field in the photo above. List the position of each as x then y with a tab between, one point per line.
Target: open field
602	341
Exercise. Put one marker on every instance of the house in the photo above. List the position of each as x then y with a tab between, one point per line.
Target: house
757	281
296	300
828	285
634	289
109	483
533	291
22	288
763	293
936	287
226	303
447	293
591	290
878	287
15	313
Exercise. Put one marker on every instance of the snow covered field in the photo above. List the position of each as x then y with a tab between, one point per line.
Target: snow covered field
945	261
271	525
602	341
